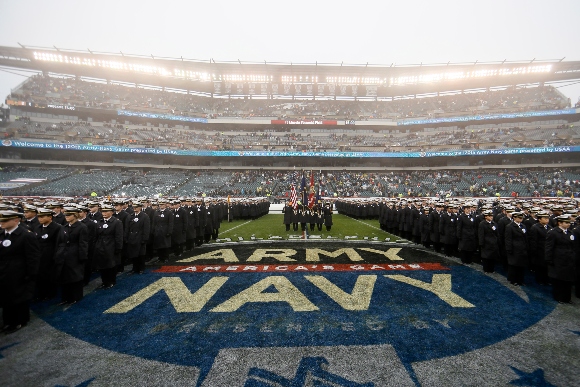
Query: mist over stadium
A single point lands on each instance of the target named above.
(261, 194)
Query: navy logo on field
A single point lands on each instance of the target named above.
(301, 295)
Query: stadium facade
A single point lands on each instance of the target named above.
(88, 109)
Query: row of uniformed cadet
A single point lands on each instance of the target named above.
(519, 236)
(53, 245)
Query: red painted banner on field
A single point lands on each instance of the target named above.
(342, 267)
(304, 122)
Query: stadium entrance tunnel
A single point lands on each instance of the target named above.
(263, 298)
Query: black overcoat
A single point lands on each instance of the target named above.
(287, 210)
(392, 218)
(123, 216)
(31, 224)
(162, 228)
(434, 226)
(516, 244)
(488, 240)
(415, 215)
(92, 229)
(19, 260)
(138, 231)
(327, 216)
(408, 219)
(71, 253)
(424, 227)
(191, 212)
(466, 232)
(59, 218)
(559, 255)
(95, 217)
(179, 226)
(109, 243)
(209, 226)
(448, 228)
(537, 243)
(319, 216)
(47, 237)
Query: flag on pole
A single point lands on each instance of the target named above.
(303, 190)
(312, 194)
(293, 198)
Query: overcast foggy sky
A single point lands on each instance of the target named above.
(378, 32)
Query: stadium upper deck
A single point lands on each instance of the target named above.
(271, 80)
(419, 116)
(44, 91)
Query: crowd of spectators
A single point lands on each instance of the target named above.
(528, 182)
(536, 182)
(522, 135)
(76, 92)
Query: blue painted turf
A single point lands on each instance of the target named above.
(415, 322)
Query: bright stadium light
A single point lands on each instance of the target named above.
(417, 78)
(459, 75)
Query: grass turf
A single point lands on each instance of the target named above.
(271, 225)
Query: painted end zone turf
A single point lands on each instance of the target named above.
(258, 302)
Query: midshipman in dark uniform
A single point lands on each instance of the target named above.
(19, 260)
(137, 235)
(108, 246)
(46, 233)
(178, 236)
(162, 230)
(488, 242)
(537, 241)
(561, 259)
(516, 246)
(123, 216)
(71, 256)
(92, 229)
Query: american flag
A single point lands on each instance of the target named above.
(293, 198)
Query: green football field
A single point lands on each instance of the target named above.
(271, 227)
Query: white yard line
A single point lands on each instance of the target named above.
(233, 228)
(366, 224)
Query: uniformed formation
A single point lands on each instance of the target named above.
(308, 218)
(542, 236)
(46, 245)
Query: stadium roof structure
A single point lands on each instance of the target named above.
(283, 80)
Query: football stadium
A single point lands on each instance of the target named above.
(168, 221)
